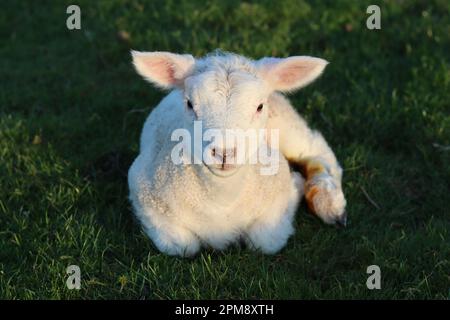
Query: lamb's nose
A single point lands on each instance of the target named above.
(224, 155)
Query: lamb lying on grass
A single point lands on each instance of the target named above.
(183, 206)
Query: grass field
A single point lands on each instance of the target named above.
(71, 111)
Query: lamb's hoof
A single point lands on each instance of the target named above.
(183, 243)
(183, 252)
(342, 222)
(326, 200)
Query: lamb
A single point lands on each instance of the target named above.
(185, 206)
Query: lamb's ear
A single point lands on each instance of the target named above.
(290, 73)
(164, 69)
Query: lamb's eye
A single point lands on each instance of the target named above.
(260, 107)
(189, 105)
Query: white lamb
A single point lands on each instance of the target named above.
(185, 206)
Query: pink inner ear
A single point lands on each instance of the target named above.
(161, 69)
(289, 75)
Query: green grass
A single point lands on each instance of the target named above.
(71, 111)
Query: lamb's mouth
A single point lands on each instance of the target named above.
(223, 170)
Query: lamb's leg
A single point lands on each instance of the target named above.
(168, 236)
(173, 239)
(270, 232)
(308, 150)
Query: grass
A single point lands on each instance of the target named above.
(71, 111)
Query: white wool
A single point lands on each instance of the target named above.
(185, 207)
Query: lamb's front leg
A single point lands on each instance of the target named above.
(308, 150)
(270, 232)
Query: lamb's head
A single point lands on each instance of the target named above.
(228, 94)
